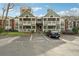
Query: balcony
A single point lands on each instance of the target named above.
(33, 22)
(51, 23)
(27, 23)
(39, 22)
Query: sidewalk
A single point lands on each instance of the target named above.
(7, 40)
(71, 48)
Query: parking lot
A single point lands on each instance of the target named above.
(33, 45)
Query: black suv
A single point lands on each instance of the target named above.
(53, 34)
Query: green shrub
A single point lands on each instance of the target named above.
(1, 30)
(75, 30)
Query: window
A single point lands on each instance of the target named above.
(16, 27)
(33, 27)
(57, 19)
(58, 26)
(74, 23)
(51, 27)
(54, 19)
(24, 19)
(27, 19)
(51, 16)
(20, 26)
(49, 22)
(33, 19)
(6, 24)
(26, 27)
(44, 27)
(27, 16)
(44, 19)
(20, 19)
(39, 19)
(16, 24)
(51, 19)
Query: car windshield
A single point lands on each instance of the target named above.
(53, 32)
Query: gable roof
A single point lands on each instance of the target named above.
(27, 14)
(51, 13)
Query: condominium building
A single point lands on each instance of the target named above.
(9, 23)
(51, 21)
(28, 22)
(1, 23)
(69, 22)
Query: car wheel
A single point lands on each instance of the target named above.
(58, 38)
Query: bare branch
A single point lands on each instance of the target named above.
(11, 6)
(3, 12)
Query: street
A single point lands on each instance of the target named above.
(39, 45)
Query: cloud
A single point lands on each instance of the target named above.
(1, 12)
(14, 13)
(70, 12)
(36, 8)
(11, 10)
(40, 15)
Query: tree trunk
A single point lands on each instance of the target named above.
(7, 9)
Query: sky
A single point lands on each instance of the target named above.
(40, 9)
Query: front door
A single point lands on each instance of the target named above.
(38, 27)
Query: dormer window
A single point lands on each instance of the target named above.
(27, 16)
(51, 16)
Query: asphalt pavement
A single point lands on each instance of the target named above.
(38, 44)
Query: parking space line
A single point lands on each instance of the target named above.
(44, 36)
(31, 37)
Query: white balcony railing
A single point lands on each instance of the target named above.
(50, 23)
(26, 23)
(39, 21)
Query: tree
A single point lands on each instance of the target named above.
(6, 10)
(3, 13)
(75, 30)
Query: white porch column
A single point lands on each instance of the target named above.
(22, 24)
(56, 24)
(47, 24)
(76, 23)
(43, 24)
(60, 24)
(31, 24)
(35, 24)
(18, 24)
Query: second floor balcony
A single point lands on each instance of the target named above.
(27, 23)
(50, 22)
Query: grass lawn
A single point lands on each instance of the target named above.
(15, 33)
